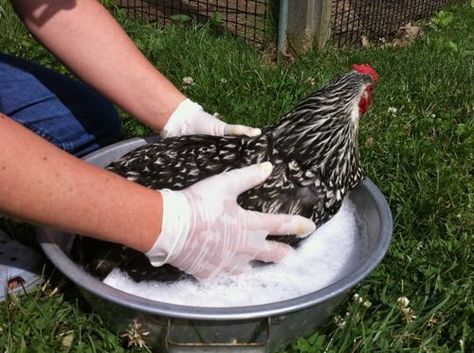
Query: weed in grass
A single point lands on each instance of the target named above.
(135, 335)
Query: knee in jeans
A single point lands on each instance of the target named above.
(112, 122)
(108, 128)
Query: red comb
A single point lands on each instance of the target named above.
(366, 69)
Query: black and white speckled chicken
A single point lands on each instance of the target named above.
(313, 148)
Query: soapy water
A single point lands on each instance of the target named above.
(330, 253)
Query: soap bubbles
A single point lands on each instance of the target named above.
(330, 253)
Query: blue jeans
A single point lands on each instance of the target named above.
(65, 112)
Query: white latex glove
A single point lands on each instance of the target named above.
(189, 118)
(205, 231)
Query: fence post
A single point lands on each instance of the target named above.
(308, 24)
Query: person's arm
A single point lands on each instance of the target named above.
(87, 39)
(42, 184)
(200, 229)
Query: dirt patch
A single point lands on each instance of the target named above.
(378, 22)
(404, 37)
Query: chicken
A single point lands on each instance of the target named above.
(313, 148)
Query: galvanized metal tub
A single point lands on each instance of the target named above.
(257, 328)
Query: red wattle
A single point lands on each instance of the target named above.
(363, 106)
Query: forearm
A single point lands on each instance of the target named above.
(86, 38)
(43, 184)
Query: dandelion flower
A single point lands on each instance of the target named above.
(403, 302)
(135, 335)
(358, 299)
(188, 82)
(392, 110)
(408, 313)
(339, 321)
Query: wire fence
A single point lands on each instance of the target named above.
(254, 20)
(245, 19)
(378, 19)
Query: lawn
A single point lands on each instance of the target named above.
(417, 145)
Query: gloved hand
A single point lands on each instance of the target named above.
(205, 231)
(189, 118)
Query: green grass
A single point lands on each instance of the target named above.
(421, 156)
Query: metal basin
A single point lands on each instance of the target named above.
(258, 328)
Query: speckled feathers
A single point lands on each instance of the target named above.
(313, 149)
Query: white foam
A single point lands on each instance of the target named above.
(329, 254)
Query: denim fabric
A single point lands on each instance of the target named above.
(66, 112)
